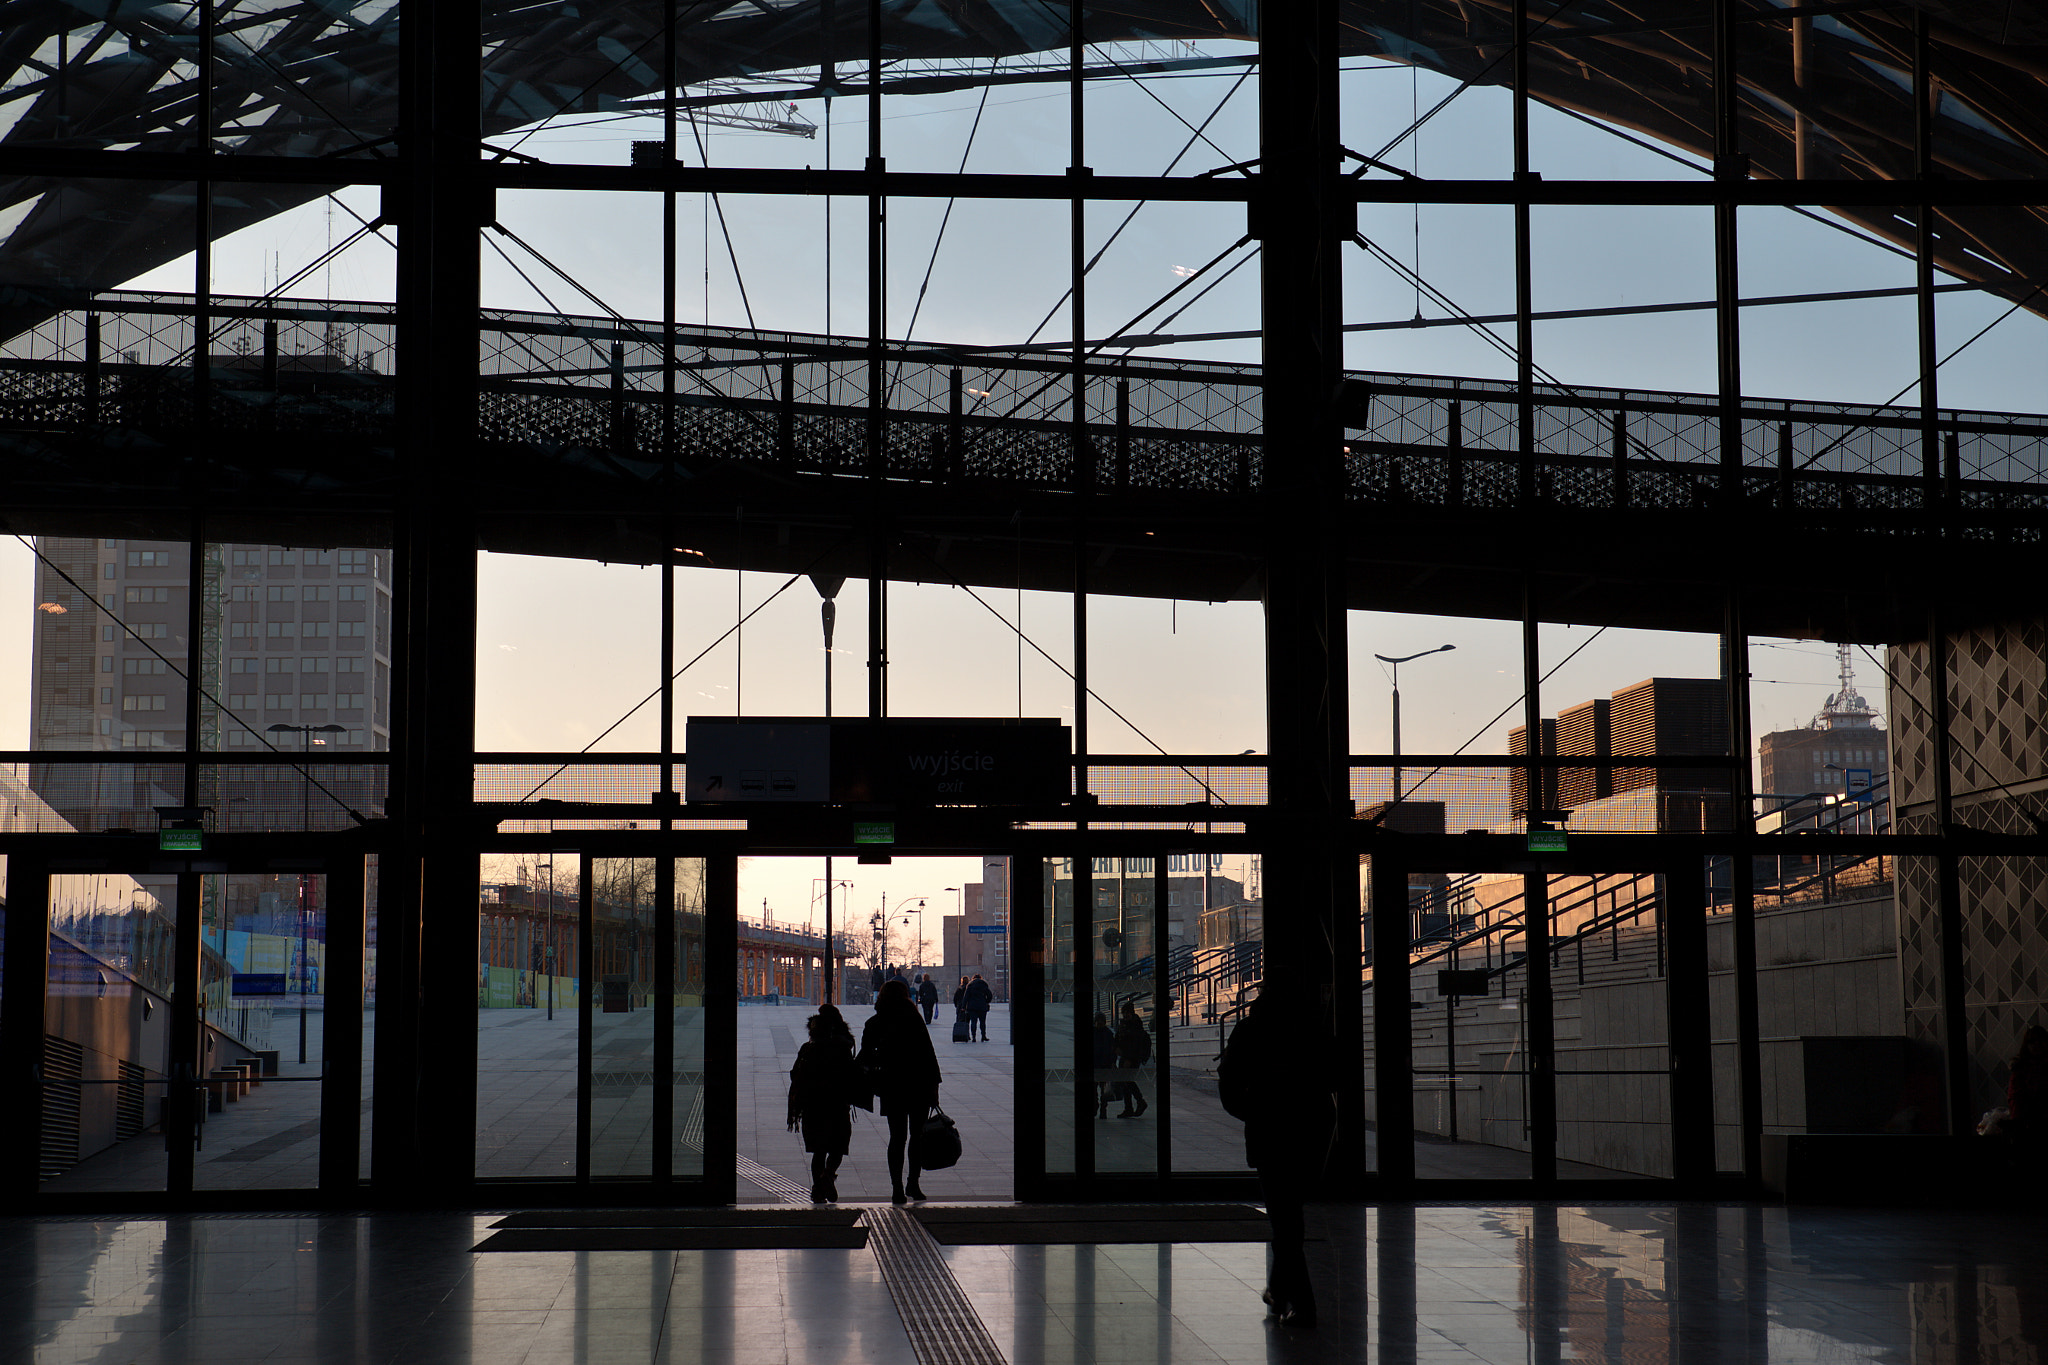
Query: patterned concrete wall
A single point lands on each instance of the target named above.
(1998, 699)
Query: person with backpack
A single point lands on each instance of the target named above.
(1277, 1077)
(823, 1085)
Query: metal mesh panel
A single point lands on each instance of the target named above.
(95, 796)
(556, 382)
(1170, 783)
(596, 781)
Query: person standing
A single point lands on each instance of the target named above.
(1104, 1039)
(979, 998)
(1277, 1076)
(927, 995)
(821, 1096)
(897, 1058)
(1133, 1050)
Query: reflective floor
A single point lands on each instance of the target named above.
(1466, 1283)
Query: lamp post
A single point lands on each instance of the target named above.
(548, 952)
(901, 901)
(880, 924)
(828, 588)
(1395, 664)
(959, 921)
(306, 741)
(830, 885)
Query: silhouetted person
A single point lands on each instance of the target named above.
(1277, 1076)
(1133, 1050)
(822, 1084)
(979, 997)
(927, 995)
(897, 1058)
(1104, 1039)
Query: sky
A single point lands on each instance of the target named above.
(567, 649)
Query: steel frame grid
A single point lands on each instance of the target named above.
(1526, 422)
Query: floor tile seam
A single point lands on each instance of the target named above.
(937, 1315)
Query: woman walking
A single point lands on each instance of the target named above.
(821, 1090)
(898, 1061)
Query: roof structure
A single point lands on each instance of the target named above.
(1826, 96)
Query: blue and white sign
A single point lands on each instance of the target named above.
(985, 928)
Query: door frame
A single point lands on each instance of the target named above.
(31, 864)
(1028, 1015)
(1687, 1015)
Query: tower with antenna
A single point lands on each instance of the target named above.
(1846, 708)
(1846, 736)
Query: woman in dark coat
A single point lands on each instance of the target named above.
(897, 1058)
(821, 1087)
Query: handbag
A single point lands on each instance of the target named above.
(938, 1142)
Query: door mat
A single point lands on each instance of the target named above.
(1091, 1225)
(674, 1239)
(678, 1230)
(724, 1217)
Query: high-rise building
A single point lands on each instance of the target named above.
(287, 636)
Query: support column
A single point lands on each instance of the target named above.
(1955, 1014)
(1302, 215)
(440, 206)
(1749, 1071)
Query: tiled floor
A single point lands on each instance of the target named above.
(1400, 1285)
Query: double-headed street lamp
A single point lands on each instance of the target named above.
(306, 741)
(1395, 664)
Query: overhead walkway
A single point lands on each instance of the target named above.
(977, 454)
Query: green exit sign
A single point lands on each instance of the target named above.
(178, 840)
(1546, 841)
(874, 832)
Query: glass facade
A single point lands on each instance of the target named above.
(418, 415)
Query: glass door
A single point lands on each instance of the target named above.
(1130, 1023)
(594, 975)
(1554, 1024)
(192, 1031)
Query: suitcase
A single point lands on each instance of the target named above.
(960, 1027)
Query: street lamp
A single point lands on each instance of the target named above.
(919, 912)
(830, 886)
(1395, 664)
(828, 587)
(959, 921)
(306, 741)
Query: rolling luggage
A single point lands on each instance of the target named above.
(960, 1027)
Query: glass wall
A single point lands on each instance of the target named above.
(712, 325)
(107, 1061)
(531, 984)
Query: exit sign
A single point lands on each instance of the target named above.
(874, 832)
(179, 840)
(1546, 841)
